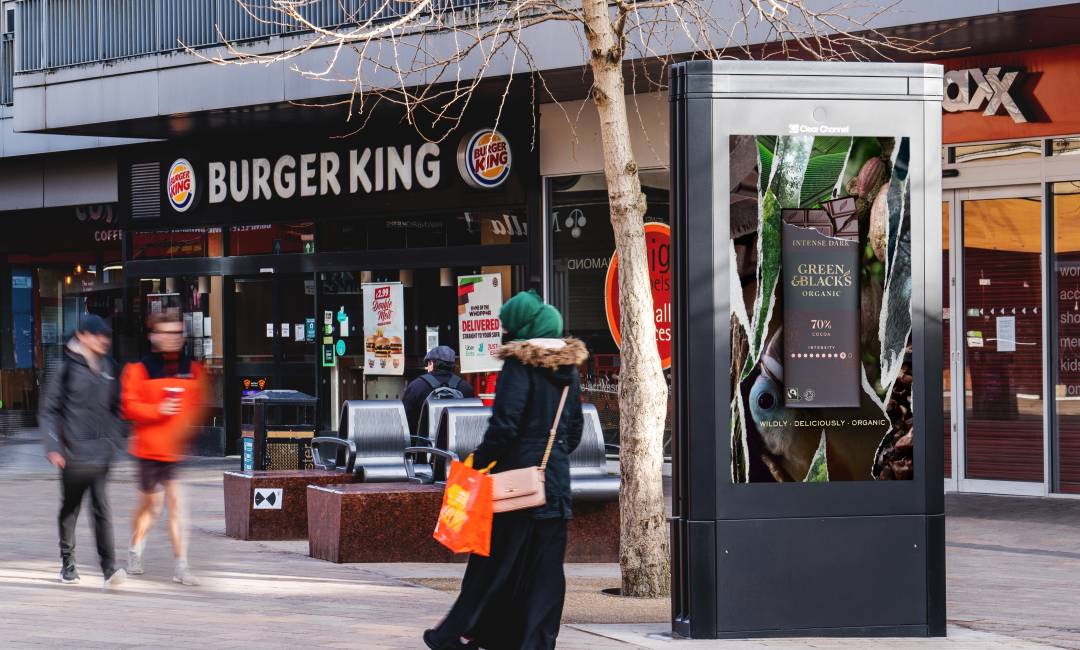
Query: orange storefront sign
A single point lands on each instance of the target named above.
(1045, 89)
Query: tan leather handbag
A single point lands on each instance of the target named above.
(517, 489)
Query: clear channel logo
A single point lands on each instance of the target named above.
(820, 129)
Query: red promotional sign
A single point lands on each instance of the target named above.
(658, 247)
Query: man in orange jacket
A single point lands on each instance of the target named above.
(162, 396)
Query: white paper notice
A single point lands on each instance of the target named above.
(1006, 334)
(298, 332)
(187, 325)
(345, 327)
(206, 329)
(208, 347)
(269, 330)
(197, 325)
(327, 317)
(432, 338)
(286, 330)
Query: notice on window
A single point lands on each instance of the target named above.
(479, 327)
(384, 328)
(1006, 333)
(269, 330)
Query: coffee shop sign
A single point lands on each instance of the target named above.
(971, 89)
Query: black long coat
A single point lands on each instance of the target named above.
(527, 395)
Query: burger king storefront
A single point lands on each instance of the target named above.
(323, 264)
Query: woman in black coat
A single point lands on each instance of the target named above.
(513, 598)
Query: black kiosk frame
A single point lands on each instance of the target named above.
(860, 557)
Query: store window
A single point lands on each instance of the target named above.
(272, 239)
(66, 263)
(1066, 315)
(177, 243)
(429, 316)
(426, 231)
(582, 248)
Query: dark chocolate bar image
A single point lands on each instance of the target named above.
(820, 272)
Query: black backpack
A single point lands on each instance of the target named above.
(440, 390)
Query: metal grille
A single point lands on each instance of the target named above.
(57, 33)
(146, 190)
(7, 69)
(288, 453)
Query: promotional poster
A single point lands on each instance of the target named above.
(479, 327)
(384, 329)
(821, 340)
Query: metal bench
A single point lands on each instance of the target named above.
(431, 415)
(589, 478)
(462, 430)
(372, 440)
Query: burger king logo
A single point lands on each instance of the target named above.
(180, 185)
(484, 159)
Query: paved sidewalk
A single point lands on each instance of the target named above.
(1013, 581)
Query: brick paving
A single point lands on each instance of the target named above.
(1013, 582)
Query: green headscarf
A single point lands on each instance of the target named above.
(526, 316)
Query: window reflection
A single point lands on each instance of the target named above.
(582, 248)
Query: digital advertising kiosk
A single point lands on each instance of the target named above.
(808, 466)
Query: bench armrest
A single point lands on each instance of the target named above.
(410, 469)
(331, 463)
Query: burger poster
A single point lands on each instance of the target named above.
(384, 329)
(479, 327)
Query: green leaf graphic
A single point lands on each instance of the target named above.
(819, 466)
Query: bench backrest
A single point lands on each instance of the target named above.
(380, 431)
(589, 457)
(431, 415)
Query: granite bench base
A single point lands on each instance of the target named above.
(393, 522)
(282, 520)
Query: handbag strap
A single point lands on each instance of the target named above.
(554, 428)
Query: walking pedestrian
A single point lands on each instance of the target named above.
(81, 426)
(162, 397)
(513, 599)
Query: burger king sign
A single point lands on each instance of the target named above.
(484, 159)
(180, 185)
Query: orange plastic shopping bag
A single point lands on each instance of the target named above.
(464, 524)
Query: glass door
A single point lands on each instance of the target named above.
(1000, 291)
(274, 345)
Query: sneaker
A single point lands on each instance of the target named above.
(69, 575)
(115, 578)
(184, 575)
(135, 565)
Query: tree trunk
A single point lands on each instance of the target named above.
(643, 553)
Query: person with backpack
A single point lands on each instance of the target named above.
(439, 382)
(81, 427)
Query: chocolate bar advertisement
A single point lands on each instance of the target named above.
(821, 339)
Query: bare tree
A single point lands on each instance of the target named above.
(431, 55)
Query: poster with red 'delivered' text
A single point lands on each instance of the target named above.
(479, 327)
(384, 329)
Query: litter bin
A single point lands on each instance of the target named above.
(276, 428)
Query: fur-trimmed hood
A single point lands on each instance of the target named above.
(546, 353)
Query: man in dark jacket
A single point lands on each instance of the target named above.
(440, 374)
(80, 423)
